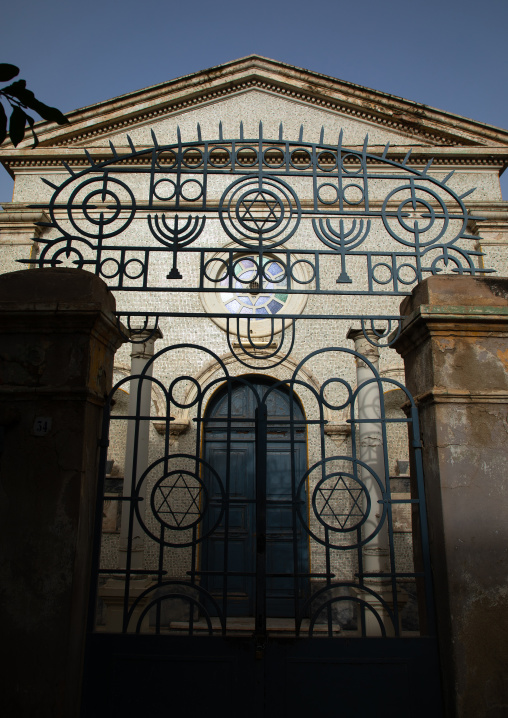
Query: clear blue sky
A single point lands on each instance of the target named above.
(449, 54)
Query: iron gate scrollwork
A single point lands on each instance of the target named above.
(334, 505)
(275, 498)
(349, 197)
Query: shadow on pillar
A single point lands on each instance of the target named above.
(58, 337)
(454, 342)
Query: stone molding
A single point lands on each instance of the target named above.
(144, 349)
(362, 344)
(51, 157)
(254, 72)
(214, 204)
(492, 231)
(176, 427)
(22, 223)
(362, 113)
(430, 320)
(337, 430)
(443, 396)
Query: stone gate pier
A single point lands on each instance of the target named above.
(454, 343)
(58, 336)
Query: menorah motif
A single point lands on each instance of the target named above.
(175, 237)
(265, 353)
(343, 240)
(420, 219)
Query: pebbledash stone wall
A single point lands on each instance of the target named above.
(185, 442)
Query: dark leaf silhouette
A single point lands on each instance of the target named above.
(7, 72)
(31, 122)
(3, 124)
(19, 99)
(27, 97)
(17, 125)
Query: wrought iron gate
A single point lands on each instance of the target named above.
(260, 551)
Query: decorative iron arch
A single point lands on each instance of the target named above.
(363, 224)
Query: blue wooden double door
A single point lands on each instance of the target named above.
(232, 444)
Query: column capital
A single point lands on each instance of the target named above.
(144, 346)
(362, 343)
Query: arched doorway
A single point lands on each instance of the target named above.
(231, 448)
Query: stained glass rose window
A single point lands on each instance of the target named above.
(249, 297)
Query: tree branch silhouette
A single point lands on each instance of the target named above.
(19, 100)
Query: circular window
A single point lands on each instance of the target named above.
(254, 292)
(258, 293)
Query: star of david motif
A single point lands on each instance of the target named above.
(259, 211)
(179, 501)
(330, 514)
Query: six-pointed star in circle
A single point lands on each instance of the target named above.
(261, 202)
(327, 511)
(179, 501)
(184, 500)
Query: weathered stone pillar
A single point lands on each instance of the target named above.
(58, 336)
(454, 342)
(371, 452)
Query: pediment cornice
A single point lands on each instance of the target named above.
(50, 158)
(425, 124)
(404, 124)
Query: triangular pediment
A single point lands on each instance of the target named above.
(255, 89)
(244, 112)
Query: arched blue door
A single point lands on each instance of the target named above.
(228, 561)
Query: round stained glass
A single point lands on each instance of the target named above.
(250, 298)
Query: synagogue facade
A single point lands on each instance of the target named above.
(259, 226)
